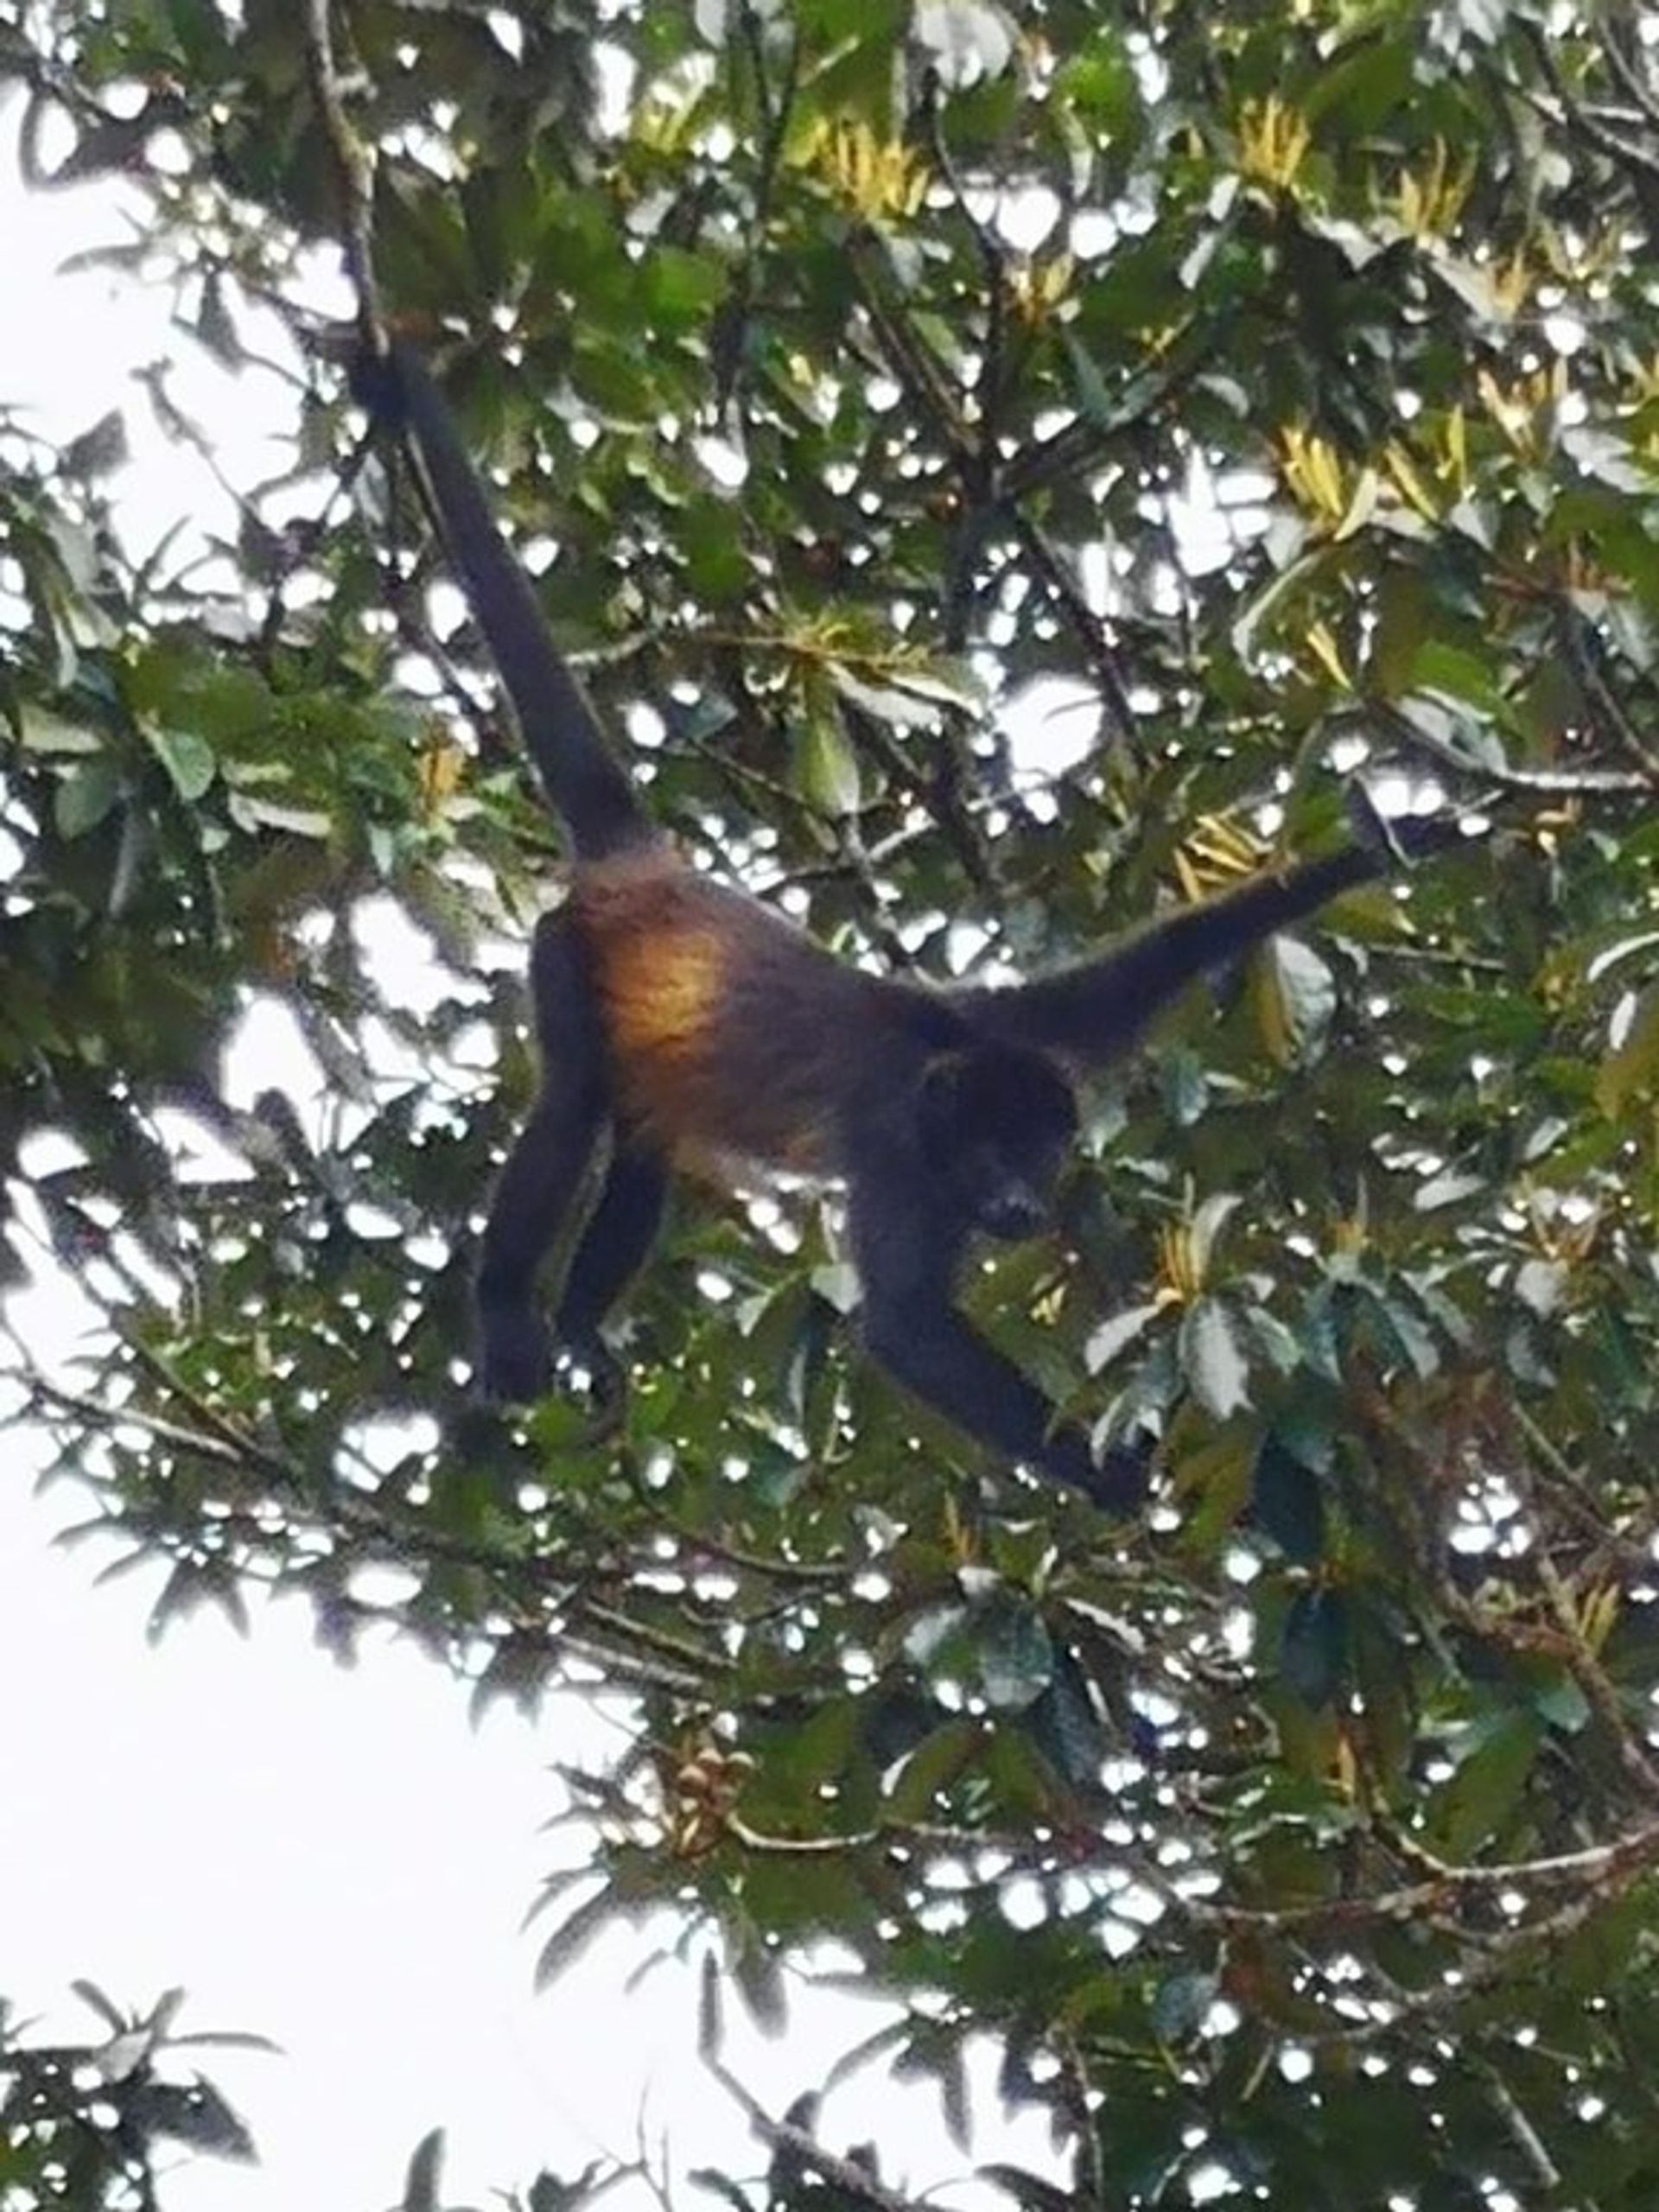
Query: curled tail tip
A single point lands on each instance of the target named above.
(375, 377)
(1388, 841)
(1369, 827)
(1400, 841)
(385, 374)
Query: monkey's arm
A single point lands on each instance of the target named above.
(906, 1256)
(545, 1171)
(1094, 1010)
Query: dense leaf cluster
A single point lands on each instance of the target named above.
(1285, 382)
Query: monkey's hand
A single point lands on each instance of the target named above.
(608, 1383)
(1118, 1483)
(1122, 1479)
(515, 1354)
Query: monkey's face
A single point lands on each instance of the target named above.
(996, 1128)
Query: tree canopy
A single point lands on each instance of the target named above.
(1001, 470)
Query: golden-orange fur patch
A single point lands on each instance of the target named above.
(661, 991)
(660, 961)
(676, 961)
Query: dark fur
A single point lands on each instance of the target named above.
(702, 1032)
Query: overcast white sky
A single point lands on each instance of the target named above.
(334, 1858)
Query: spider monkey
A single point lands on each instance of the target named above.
(702, 1031)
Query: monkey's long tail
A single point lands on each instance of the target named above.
(586, 785)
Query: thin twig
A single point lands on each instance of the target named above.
(1576, 642)
(1085, 625)
(782, 2136)
(1623, 67)
(1446, 753)
(354, 166)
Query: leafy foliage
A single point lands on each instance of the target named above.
(1280, 380)
(88, 2125)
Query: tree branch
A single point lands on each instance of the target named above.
(786, 2140)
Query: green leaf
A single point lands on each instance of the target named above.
(268, 814)
(1559, 1699)
(99, 451)
(1449, 670)
(1030, 2191)
(187, 758)
(931, 1768)
(423, 2181)
(1014, 1652)
(1097, 81)
(711, 2029)
(1479, 1800)
(1288, 1500)
(40, 729)
(1296, 1000)
(826, 766)
(955, 2100)
(757, 1972)
(1116, 1335)
(1209, 1219)
(901, 705)
(572, 1935)
(1313, 1658)
(680, 288)
(1632, 1069)
(1214, 1358)
(86, 798)
(1182, 2004)
(717, 2184)
(1065, 1726)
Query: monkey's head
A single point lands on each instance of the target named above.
(996, 1126)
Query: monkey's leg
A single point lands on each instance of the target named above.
(545, 1169)
(613, 1247)
(906, 1256)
